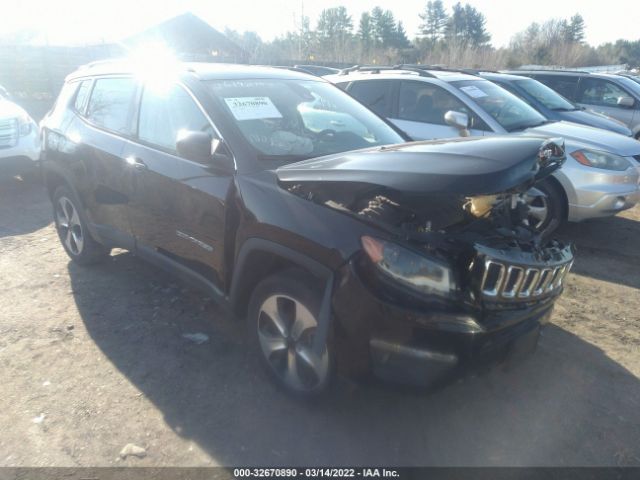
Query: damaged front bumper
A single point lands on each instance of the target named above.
(424, 345)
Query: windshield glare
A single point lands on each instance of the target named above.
(547, 97)
(297, 119)
(507, 109)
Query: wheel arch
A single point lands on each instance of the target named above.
(562, 185)
(259, 258)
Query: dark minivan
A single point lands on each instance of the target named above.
(301, 210)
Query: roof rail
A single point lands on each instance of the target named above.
(559, 70)
(380, 68)
(444, 68)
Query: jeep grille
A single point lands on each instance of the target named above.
(520, 282)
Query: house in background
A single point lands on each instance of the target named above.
(34, 72)
(191, 38)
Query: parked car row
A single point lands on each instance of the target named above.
(602, 171)
(348, 246)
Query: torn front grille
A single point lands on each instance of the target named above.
(505, 280)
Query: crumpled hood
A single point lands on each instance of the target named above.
(466, 166)
(590, 137)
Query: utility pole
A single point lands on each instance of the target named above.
(301, 29)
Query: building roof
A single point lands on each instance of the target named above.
(188, 34)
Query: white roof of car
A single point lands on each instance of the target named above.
(446, 76)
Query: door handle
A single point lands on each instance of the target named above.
(136, 163)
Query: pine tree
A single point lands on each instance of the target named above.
(401, 39)
(434, 20)
(576, 29)
(365, 32)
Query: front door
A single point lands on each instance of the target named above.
(602, 96)
(178, 208)
(421, 109)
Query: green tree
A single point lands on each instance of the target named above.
(401, 39)
(575, 29)
(334, 31)
(384, 27)
(434, 20)
(467, 26)
(475, 27)
(365, 32)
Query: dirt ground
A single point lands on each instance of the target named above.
(92, 359)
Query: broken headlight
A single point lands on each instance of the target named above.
(415, 271)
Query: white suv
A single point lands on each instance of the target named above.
(19, 140)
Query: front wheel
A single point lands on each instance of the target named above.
(283, 320)
(72, 229)
(546, 211)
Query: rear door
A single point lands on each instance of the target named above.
(100, 138)
(602, 96)
(178, 208)
(421, 108)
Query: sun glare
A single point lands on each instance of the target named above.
(156, 64)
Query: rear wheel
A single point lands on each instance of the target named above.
(547, 211)
(283, 321)
(72, 229)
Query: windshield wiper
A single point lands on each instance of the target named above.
(284, 158)
(534, 125)
(564, 109)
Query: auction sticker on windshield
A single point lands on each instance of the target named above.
(473, 91)
(252, 108)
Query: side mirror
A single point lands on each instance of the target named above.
(458, 120)
(195, 146)
(626, 102)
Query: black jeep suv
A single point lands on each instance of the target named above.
(302, 210)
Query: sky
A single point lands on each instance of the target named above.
(90, 21)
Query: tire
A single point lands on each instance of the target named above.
(282, 320)
(71, 226)
(549, 210)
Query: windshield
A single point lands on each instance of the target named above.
(295, 119)
(507, 109)
(630, 84)
(547, 97)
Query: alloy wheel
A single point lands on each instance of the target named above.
(286, 329)
(69, 226)
(538, 210)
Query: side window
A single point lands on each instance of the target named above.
(82, 95)
(565, 86)
(110, 103)
(595, 91)
(427, 103)
(165, 113)
(375, 94)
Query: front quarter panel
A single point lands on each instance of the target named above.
(274, 214)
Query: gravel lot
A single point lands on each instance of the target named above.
(92, 359)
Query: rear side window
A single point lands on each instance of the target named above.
(110, 103)
(82, 96)
(375, 94)
(565, 86)
(595, 91)
(165, 113)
